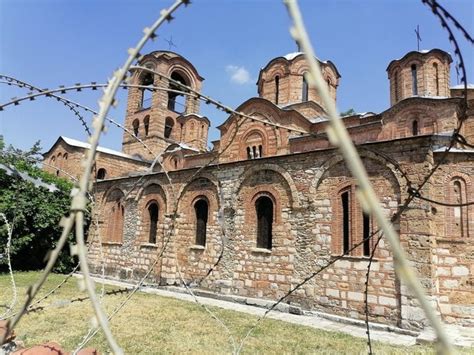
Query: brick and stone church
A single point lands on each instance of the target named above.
(268, 205)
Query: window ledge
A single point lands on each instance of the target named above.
(355, 257)
(142, 109)
(197, 247)
(148, 245)
(112, 243)
(454, 240)
(261, 251)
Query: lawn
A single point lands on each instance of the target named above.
(154, 324)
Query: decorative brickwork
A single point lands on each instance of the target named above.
(275, 205)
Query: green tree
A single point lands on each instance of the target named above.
(349, 112)
(32, 210)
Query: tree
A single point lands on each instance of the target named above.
(349, 112)
(32, 209)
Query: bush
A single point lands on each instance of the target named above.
(33, 211)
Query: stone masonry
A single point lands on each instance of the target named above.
(310, 211)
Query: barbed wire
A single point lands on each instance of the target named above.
(366, 196)
(9, 262)
(79, 203)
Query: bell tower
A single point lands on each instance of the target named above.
(282, 81)
(157, 108)
(424, 73)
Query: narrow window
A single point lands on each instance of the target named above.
(176, 101)
(153, 217)
(249, 156)
(146, 124)
(115, 229)
(254, 151)
(264, 209)
(65, 156)
(459, 212)
(414, 82)
(147, 80)
(136, 125)
(305, 89)
(169, 123)
(346, 223)
(366, 233)
(414, 128)
(201, 209)
(101, 174)
(436, 76)
(277, 89)
(260, 149)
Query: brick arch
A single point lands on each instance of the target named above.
(155, 181)
(151, 193)
(458, 174)
(184, 72)
(174, 161)
(337, 158)
(425, 115)
(138, 74)
(113, 215)
(213, 183)
(466, 213)
(251, 131)
(267, 116)
(291, 187)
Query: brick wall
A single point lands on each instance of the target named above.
(303, 188)
(115, 166)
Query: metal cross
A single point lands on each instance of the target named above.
(418, 38)
(170, 43)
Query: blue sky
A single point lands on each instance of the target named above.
(58, 42)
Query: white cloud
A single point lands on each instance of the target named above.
(238, 75)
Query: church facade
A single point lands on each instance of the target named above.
(270, 205)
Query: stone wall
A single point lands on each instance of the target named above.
(306, 234)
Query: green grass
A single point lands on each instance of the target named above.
(152, 324)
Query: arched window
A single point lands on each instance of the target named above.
(414, 81)
(116, 215)
(304, 96)
(249, 154)
(458, 223)
(346, 221)
(136, 126)
(176, 101)
(101, 174)
(414, 128)
(436, 77)
(153, 219)
(352, 227)
(277, 89)
(147, 80)
(53, 160)
(146, 124)
(169, 123)
(366, 233)
(201, 210)
(65, 156)
(264, 211)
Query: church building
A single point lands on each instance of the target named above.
(273, 201)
